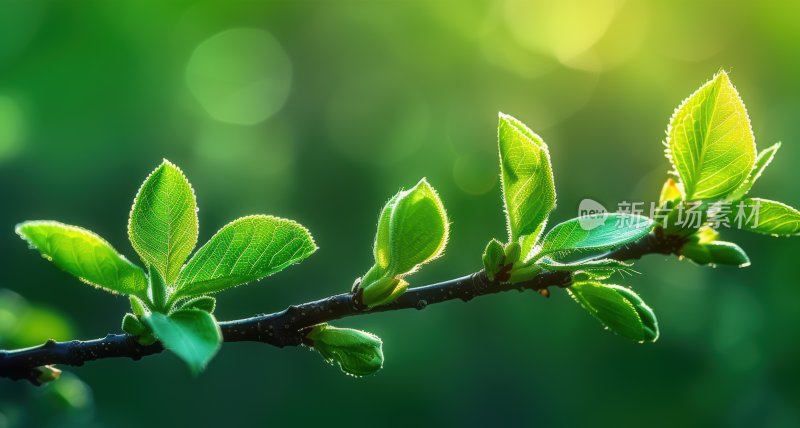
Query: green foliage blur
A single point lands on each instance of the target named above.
(319, 111)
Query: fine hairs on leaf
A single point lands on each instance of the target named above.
(610, 231)
(526, 176)
(244, 250)
(710, 145)
(413, 229)
(710, 142)
(84, 255)
(163, 223)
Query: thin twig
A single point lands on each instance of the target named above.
(288, 327)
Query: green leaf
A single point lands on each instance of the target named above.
(163, 223)
(358, 353)
(715, 253)
(157, 290)
(203, 303)
(193, 335)
(138, 306)
(710, 142)
(132, 325)
(765, 217)
(493, 259)
(762, 161)
(415, 233)
(606, 231)
(382, 247)
(617, 308)
(646, 314)
(247, 249)
(527, 180)
(84, 255)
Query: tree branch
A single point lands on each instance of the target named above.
(288, 327)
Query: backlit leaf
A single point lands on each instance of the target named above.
(163, 222)
(193, 335)
(244, 250)
(527, 180)
(593, 233)
(762, 161)
(617, 308)
(84, 255)
(765, 217)
(710, 142)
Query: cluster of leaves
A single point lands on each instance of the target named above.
(710, 145)
(171, 301)
(529, 195)
(712, 149)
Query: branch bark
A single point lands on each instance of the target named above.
(288, 327)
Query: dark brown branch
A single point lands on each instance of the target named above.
(287, 327)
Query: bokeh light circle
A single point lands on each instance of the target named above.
(241, 76)
(12, 127)
(475, 174)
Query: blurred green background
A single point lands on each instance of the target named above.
(321, 110)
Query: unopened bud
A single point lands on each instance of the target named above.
(138, 306)
(512, 252)
(493, 258)
(383, 291)
(132, 325)
(670, 192)
(358, 353)
(715, 253)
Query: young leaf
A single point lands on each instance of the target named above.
(762, 161)
(493, 259)
(383, 291)
(138, 307)
(382, 247)
(358, 353)
(84, 255)
(163, 222)
(132, 325)
(610, 231)
(646, 314)
(715, 253)
(157, 290)
(527, 180)
(415, 233)
(617, 308)
(247, 249)
(193, 335)
(203, 303)
(710, 142)
(765, 217)
(670, 192)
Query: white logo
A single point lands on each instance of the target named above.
(591, 214)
